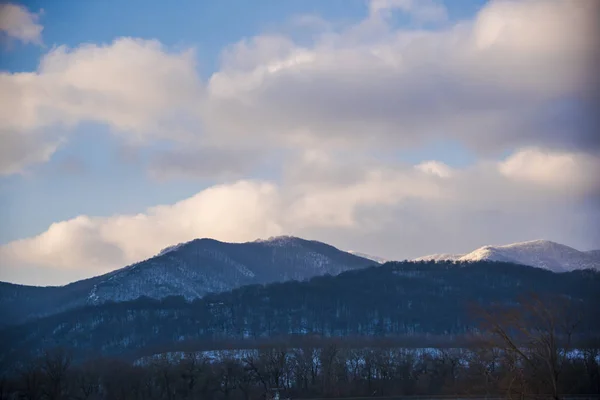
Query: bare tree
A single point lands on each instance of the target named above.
(30, 382)
(165, 375)
(55, 365)
(85, 384)
(255, 369)
(536, 338)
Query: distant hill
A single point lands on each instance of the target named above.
(413, 299)
(190, 269)
(537, 253)
(377, 259)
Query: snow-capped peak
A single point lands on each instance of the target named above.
(439, 257)
(282, 240)
(274, 240)
(171, 248)
(536, 253)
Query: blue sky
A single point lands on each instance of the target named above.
(431, 101)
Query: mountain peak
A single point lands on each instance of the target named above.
(537, 243)
(539, 253)
(279, 240)
(195, 268)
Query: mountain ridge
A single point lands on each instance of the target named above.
(539, 253)
(377, 259)
(412, 299)
(201, 266)
(191, 269)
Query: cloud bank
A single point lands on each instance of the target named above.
(398, 211)
(515, 85)
(518, 74)
(136, 87)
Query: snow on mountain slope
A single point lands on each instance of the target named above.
(203, 266)
(191, 270)
(536, 253)
(439, 257)
(379, 260)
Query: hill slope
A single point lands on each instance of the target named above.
(190, 269)
(408, 298)
(537, 253)
(379, 260)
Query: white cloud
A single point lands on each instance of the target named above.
(503, 80)
(567, 172)
(435, 168)
(397, 211)
(237, 212)
(135, 86)
(518, 74)
(132, 85)
(516, 77)
(18, 23)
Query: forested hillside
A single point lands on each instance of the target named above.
(418, 300)
(190, 270)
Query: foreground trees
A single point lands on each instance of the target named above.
(535, 340)
(331, 371)
(536, 348)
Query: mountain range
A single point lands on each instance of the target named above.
(545, 254)
(202, 266)
(192, 270)
(414, 301)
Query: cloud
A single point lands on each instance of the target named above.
(132, 85)
(137, 87)
(519, 74)
(435, 168)
(495, 83)
(18, 23)
(567, 172)
(18, 150)
(236, 212)
(397, 211)
(517, 80)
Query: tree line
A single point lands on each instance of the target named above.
(529, 350)
(333, 371)
(410, 300)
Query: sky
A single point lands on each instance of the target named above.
(398, 128)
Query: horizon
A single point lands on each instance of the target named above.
(397, 128)
(376, 259)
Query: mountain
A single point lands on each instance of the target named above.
(190, 269)
(537, 253)
(379, 260)
(440, 257)
(594, 253)
(419, 301)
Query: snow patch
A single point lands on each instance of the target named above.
(279, 241)
(544, 254)
(170, 249)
